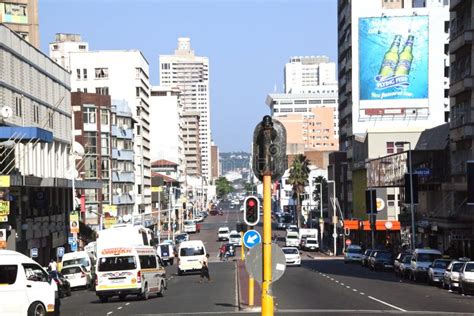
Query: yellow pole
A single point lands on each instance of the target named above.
(267, 299)
(251, 294)
(242, 251)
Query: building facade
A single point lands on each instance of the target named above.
(124, 75)
(190, 73)
(21, 16)
(192, 149)
(304, 74)
(215, 162)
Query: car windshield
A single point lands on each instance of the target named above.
(457, 266)
(354, 250)
(469, 267)
(384, 255)
(440, 264)
(235, 236)
(292, 237)
(180, 237)
(309, 241)
(223, 230)
(290, 251)
(71, 270)
(81, 261)
(191, 251)
(407, 259)
(117, 263)
(189, 223)
(428, 257)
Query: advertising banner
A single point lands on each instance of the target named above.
(74, 222)
(393, 58)
(3, 239)
(109, 210)
(109, 222)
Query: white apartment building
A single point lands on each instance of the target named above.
(166, 113)
(124, 75)
(190, 73)
(304, 74)
(65, 44)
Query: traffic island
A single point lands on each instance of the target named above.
(243, 290)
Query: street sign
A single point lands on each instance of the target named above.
(348, 242)
(34, 252)
(60, 252)
(70, 239)
(253, 263)
(252, 238)
(423, 172)
(74, 246)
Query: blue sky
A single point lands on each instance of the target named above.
(248, 43)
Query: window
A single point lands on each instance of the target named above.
(104, 117)
(101, 73)
(34, 272)
(117, 263)
(91, 167)
(105, 191)
(105, 144)
(78, 73)
(51, 119)
(102, 90)
(390, 148)
(82, 47)
(105, 166)
(17, 10)
(18, 106)
(36, 113)
(84, 73)
(147, 262)
(55, 47)
(90, 142)
(8, 274)
(85, 90)
(89, 115)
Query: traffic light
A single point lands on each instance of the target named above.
(251, 210)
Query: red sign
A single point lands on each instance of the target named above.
(83, 203)
(348, 242)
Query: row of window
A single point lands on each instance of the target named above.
(100, 73)
(36, 112)
(98, 90)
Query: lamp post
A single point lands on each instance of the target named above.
(410, 171)
(334, 217)
(321, 221)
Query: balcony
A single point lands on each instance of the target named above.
(461, 132)
(124, 176)
(465, 38)
(122, 133)
(123, 154)
(123, 199)
(461, 86)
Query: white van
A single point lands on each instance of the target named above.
(190, 256)
(25, 287)
(190, 226)
(123, 271)
(83, 258)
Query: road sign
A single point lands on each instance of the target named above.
(74, 246)
(70, 239)
(348, 242)
(252, 238)
(34, 252)
(423, 172)
(60, 252)
(253, 263)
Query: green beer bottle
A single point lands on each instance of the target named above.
(390, 59)
(405, 58)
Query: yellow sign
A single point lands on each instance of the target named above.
(109, 222)
(4, 181)
(3, 238)
(3, 219)
(4, 208)
(74, 222)
(156, 189)
(111, 209)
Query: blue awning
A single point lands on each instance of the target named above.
(25, 134)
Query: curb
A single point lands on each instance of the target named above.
(239, 300)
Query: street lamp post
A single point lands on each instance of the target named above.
(334, 217)
(410, 171)
(321, 221)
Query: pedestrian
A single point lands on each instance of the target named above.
(53, 265)
(205, 269)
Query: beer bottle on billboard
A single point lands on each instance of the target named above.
(390, 59)
(405, 58)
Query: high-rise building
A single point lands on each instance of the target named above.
(21, 16)
(393, 67)
(215, 163)
(124, 75)
(190, 73)
(192, 151)
(304, 74)
(166, 113)
(63, 45)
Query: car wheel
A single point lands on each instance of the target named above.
(61, 294)
(37, 309)
(161, 293)
(180, 272)
(460, 289)
(103, 299)
(68, 293)
(146, 293)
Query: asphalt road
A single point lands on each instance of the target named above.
(321, 286)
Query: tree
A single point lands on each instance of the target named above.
(223, 187)
(298, 178)
(316, 193)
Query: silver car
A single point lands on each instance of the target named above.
(451, 275)
(353, 254)
(436, 270)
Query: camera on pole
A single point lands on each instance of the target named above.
(251, 210)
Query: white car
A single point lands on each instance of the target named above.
(223, 233)
(466, 279)
(292, 239)
(235, 238)
(26, 288)
(292, 256)
(353, 254)
(77, 276)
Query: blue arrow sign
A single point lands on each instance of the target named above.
(251, 238)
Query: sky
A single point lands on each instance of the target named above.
(248, 43)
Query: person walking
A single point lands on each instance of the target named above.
(205, 269)
(53, 266)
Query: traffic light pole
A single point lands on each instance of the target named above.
(267, 298)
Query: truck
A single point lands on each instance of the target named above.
(306, 234)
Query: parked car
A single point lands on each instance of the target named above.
(451, 275)
(64, 288)
(421, 261)
(292, 256)
(353, 254)
(223, 233)
(436, 270)
(371, 258)
(365, 257)
(381, 260)
(398, 260)
(404, 269)
(179, 238)
(78, 276)
(466, 278)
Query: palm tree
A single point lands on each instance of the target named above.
(299, 173)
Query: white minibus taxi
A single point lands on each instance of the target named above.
(25, 287)
(82, 258)
(190, 256)
(123, 271)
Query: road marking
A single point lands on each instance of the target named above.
(362, 293)
(126, 304)
(337, 281)
(109, 313)
(348, 287)
(385, 303)
(342, 284)
(332, 279)
(120, 307)
(355, 290)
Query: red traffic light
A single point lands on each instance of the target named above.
(251, 203)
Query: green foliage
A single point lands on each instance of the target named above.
(298, 178)
(316, 193)
(223, 187)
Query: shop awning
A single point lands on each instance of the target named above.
(365, 225)
(25, 134)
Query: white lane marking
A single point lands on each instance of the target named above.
(348, 287)
(342, 284)
(362, 293)
(120, 307)
(332, 279)
(385, 303)
(337, 281)
(109, 313)
(127, 303)
(355, 290)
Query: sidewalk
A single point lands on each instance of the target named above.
(243, 289)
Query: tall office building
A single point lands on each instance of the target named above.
(122, 74)
(190, 73)
(21, 16)
(304, 74)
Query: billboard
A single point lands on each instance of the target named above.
(393, 58)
